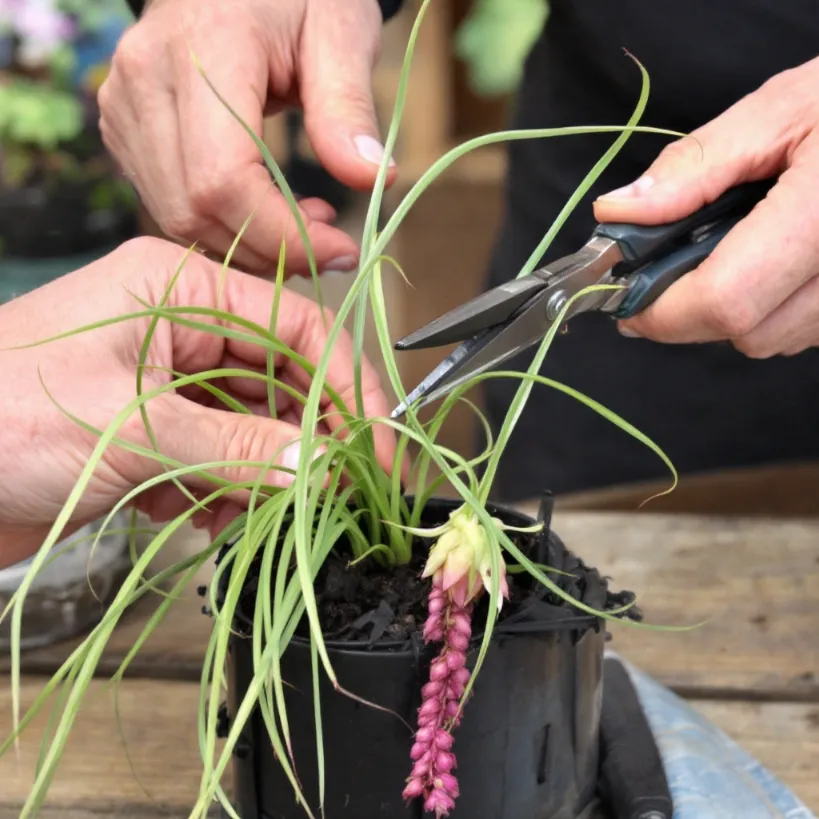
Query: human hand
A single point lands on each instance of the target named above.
(198, 172)
(759, 289)
(93, 376)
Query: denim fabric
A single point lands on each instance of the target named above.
(710, 776)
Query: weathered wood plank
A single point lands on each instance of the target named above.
(159, 731)
(779, 490)
(154, 761)
(756, 582)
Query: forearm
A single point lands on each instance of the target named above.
(389, 8)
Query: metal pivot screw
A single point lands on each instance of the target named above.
(557, 301)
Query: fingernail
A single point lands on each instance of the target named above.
(631, 191)
(289, 460)
(370, 149)
(627, 332)
(344, 264)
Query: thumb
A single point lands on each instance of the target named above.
(193, 434)
(340, 45)
(741, 145)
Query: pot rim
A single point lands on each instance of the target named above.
(574, 621)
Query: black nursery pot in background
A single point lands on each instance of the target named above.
(527, 746)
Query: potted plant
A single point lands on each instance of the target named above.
(62, 201)
(360, 630)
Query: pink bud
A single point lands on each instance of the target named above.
(443, 740)
(414, 789)
(455, 660)
(454, 691)
(436, 602)
(439, 802)
(451, 709)
(444, 761)
(426, 734)
(439, 670)
(432, 689)
(420, 769)
(425, 720)
(447, 782)
(461, 676)
(434, 634)
(429, 708)
(418, 750)
(459, 621)
(457, 640)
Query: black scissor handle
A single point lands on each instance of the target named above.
(641, 244)
(649, 282)
(655, 256)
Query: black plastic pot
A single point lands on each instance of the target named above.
(527, 747)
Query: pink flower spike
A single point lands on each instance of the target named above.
(431, 778)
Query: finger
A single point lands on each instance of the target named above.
(318, 210)
(193, 434)
(340, 45)
(165, 502)
(138, 122)
(792, 328)
(768, 256)
(752, 140)
(225, 178)
(225, 514)
(301, 326)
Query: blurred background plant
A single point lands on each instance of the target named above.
(62, 204)
(60, 193)
(494, 40)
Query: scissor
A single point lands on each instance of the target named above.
(506, 320)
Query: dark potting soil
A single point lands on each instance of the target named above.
(370, 605)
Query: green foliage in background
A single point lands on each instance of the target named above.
(495, 39)
(38, 114)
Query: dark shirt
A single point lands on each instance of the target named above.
(708, 406)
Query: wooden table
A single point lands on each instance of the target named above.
(753, 668)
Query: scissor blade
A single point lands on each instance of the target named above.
(490, 308)
(480, 353)
(492, 345)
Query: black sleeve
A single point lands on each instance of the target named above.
(388, 7)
